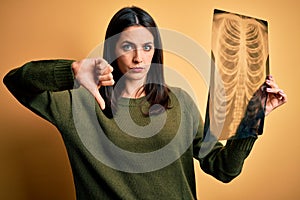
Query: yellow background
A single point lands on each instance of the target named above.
(33, 160)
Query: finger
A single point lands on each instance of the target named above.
(100, 62)
(106, 77)
(278, 93)
(271, 83)
(108, 83)
(105, 80)
(283, 96)
(99, 99)
(103, 70)
(270, 77)
(273, 90)
(100, 65)
(107, 70)
(110, 69)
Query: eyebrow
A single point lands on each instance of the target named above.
(127, 41)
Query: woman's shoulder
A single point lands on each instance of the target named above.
(183, 99)
(181, 95)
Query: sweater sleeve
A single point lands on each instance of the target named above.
(34, 82)
(226, 162)
(222, 162)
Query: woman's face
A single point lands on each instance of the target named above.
(134, 51)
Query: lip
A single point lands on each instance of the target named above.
(136, 69)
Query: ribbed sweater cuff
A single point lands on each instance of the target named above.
(244, 144)
(63, 74)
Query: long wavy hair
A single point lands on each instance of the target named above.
(155, 88)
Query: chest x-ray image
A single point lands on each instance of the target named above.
(240, 65)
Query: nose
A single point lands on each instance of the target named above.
(137, 58)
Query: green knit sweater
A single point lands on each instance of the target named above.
(129, 156)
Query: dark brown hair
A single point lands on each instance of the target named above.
(155, 89)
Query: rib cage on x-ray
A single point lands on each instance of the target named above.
(240, 53)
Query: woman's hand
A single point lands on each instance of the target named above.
(276, 96)
(92, 73)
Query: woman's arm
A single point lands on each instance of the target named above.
(226, 162)
(36, 77)
(222, 162)
(38, 85)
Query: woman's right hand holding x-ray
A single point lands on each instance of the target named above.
(92, 73)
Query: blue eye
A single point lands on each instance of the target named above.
(127, 47)
(147, 47)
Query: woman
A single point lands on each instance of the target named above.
(129, 78)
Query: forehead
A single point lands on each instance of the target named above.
(136, 34)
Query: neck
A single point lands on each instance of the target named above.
(133, 89)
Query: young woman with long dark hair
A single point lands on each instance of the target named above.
(157, 157)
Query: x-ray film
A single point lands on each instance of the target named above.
(240, 65)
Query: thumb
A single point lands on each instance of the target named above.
(99, 99)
